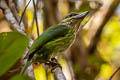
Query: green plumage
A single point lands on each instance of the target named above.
(54, 40)
(49, 43)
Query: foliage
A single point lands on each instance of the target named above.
(21, 77)
(12, 47)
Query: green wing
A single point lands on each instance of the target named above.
(50, 34)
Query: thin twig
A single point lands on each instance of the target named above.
(24, 11)
(35, 13)
(114, 74)
(33, 22)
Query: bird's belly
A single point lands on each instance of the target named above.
(53, 48)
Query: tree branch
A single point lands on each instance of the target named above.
(56, 69)
(13, 8)
(58, 73)
(14, 25)
(9, 16)
(108, 15)
(114, 74)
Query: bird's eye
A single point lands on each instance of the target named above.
(70, 15)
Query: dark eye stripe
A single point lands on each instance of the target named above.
(70, 15)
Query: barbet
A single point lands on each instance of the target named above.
(55, 39)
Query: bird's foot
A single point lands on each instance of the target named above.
(54, 64)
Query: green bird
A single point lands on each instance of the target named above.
(54, 40)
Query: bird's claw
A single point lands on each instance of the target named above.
(54, 64)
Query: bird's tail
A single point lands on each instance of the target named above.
(29, 61)
(26, 66)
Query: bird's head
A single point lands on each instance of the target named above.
(74, 19)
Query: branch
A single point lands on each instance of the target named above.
(58, 73)
(12, 6)
(24, 12)
(56, 69)
(114, 74)
(35, 15)
(108, 15)
(14, 25)
(9, 16)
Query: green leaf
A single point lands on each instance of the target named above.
(12, 47)
(21, 77)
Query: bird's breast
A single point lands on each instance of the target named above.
(60, 44)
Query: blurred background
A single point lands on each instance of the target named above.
(80, 62)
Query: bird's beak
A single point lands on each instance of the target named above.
(80, 16)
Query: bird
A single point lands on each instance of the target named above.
(55, 39)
